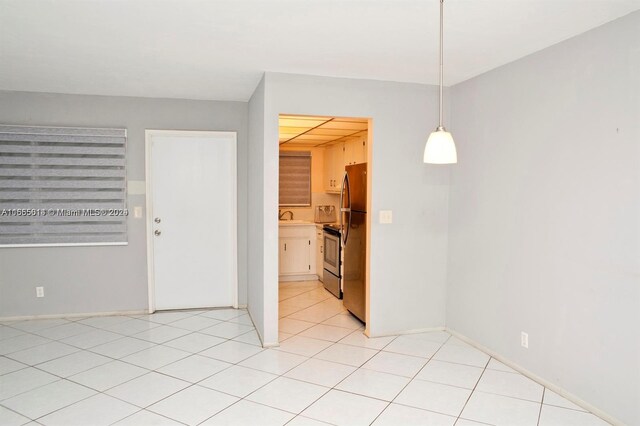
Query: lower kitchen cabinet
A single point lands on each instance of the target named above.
(297, 252)
(319, 253)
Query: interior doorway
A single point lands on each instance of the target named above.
(324, 225)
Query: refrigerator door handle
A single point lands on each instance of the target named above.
(345, 185)
(341, 206)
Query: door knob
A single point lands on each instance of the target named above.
(157, 232)
(157, 220)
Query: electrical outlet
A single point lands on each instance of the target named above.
(39, 291)
(524, 340)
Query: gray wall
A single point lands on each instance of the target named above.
(104, 279)
(256, 216)
(544, 225)
(408, 257)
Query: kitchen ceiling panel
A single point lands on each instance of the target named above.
(318, 138)
(351, 125)
(324, 131)
(294, 130)
(296, 122)
(318, 130)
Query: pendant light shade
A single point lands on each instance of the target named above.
(440, 148)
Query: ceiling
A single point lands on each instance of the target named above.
(218, 49)
(310, 131)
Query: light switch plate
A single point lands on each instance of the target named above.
(386, 216)
(136, 187)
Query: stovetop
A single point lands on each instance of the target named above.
(335, 227)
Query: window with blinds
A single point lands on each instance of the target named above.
(295, 178)
(62, 186)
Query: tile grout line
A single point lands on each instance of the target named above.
(544, 389)
(473, 390)
(411, 379)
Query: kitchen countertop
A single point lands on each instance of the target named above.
(295, 223)
(298, 222)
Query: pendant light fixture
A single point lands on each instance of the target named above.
(440, 148)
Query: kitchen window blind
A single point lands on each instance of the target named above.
(295, 178)
(62, 186)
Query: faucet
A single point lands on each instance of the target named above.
(281, 214)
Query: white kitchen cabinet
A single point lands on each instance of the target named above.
(297, 252)
(319, 252)
(333, 167)
(337, 156)
(355, 151)
(295, 255)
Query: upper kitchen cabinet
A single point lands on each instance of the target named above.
(333, 167)
(339, 155)
(355, 150)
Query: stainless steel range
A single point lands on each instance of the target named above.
(332, 260)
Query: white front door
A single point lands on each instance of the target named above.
(191, 216)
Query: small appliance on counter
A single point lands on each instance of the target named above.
(325, 214)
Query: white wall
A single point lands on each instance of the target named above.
(408, 257)
(107, 279)
(255, 196)
(544, 225)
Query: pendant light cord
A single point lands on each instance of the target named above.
(441, 67)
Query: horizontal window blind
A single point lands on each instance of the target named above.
(62, 185)
(295, 178)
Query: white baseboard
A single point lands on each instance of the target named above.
(267, 345)
(547, 384)
(305, 277)
(401, 333)
(85, 314)
(89, 314)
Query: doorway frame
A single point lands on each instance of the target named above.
(148, 135)
(370, 166)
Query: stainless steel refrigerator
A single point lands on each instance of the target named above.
(353, 208)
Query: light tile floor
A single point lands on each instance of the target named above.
(207, 368)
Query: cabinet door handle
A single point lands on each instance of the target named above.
(285, 246)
